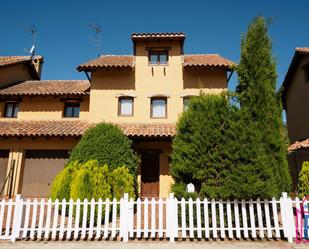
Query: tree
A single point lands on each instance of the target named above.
(216, 149)
(258, 97)
(107, 144)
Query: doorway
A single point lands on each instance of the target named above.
(150, 173)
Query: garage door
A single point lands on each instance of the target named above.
(40, 169)
(4, 158)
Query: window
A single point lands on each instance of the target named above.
(11, 109)
(158, 108)
(158, 57)
(125, 106)
(186, 102)
(71, 109)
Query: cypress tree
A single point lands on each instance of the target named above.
(258, 98)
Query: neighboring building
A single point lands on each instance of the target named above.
(143, 94)
(14, 69)
(295, 98)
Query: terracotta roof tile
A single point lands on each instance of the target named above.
(299, 145)
(158, 35)
(77, 128)
(43, 128)
(209, 60)
(108, 61)
(193, 60)
(48, 87)
(11, 60)
(302, 50)
(148, 130)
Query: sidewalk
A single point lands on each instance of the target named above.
(152, 245)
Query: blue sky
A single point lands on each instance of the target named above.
(211, 27)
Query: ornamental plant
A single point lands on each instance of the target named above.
(303, 182)
(107, 144)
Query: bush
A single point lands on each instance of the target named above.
(303, 184)
(107, 144)
(91, 181)
(61, 185)
(218, 148)
(121, 181)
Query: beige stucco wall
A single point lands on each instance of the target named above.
(18, 147)
(147, 80)
(165, 179)
(297, 103)
(12, 74)
(46, 108)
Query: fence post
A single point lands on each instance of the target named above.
(287, 217)
(172, 217)
(124, 211)
(18, 209)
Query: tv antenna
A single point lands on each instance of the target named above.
(97, 39)
(33, 32)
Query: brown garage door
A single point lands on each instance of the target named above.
(40, 169)
(4, 158)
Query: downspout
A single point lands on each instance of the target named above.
(230, 75)
(87, 75)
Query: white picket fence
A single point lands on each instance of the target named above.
(148, 218)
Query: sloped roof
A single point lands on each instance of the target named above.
(302, 50)
(42, 128)
(108, 61)
(12, 60)
(207, 60)
(127, 61)
(48, 87)
(65, 128)
(148, 130)
(136, 36)
(299, 145)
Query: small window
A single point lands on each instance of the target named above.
(158, 107)
(186, 102)
(71, 109)
(11, 109)
(158, 57)
(125, 106)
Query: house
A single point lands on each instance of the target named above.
(143, 93)
(14, 69)
(296, 104)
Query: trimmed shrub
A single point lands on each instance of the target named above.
(121, 181)
(61, 185)
(303, 184)
(91, 181)
(107, 144)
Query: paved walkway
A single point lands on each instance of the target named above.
(152, 245)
